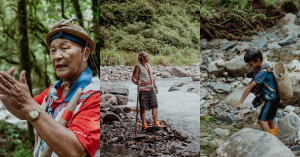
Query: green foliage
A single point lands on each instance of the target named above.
(110, 57)
(207, 118)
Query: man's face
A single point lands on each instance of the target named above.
(65, 56)
(146, 58)
(254, 65)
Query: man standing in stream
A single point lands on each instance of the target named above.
(143, 75)
(70, 48)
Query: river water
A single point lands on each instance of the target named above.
(179, 108)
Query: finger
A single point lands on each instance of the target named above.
(4, 90)
(5, 83)
(8, 78)
(3, 97)
(11, 71)
(23, 77)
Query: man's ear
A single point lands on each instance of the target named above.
(87, 54)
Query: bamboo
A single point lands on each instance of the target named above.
(137, 108)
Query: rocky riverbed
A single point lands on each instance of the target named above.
(178, 137)
(6, 116)
(223, 78)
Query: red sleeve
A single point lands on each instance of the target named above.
(86, 124)
(39, 98)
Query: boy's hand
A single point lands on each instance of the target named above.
(239, 106)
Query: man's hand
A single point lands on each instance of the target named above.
(15, 93)
(239, 106)
(156, 90)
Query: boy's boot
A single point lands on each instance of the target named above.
(273, 131)
(144, 127)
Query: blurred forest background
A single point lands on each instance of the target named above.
(23, 27)
(169, 30)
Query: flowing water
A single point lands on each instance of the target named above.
(179, 108)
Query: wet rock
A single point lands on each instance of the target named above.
(289, 24)
(225, 119)
(217, 142)
(289, 40)
(295, 64)
(216, 43)
(273, 45)
(209, 97)
(214, 69)
(110, 116)
(122, 100)
(203, 43)
(141, 136)
(221, 132)
(244, 114)
(108, 99)
(196, 79)
(173, 89)
(289, 108)
(180, 84)
(222, 88)
(117, 111)
(237, 67)
(260, 42)
(246, 81)
(228, 46)
(181, 135)
(233, 99)
(153, 128)
(287, 128)
(203, 93)
(113, 140)
(120, 91)
(149, 151)
(269, 36)
(177, 71)
(242, 46)
(128, 143)
(127, 109)
(251, 142)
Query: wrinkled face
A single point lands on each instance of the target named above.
(65, 56)
(255, 65)
(146, 58)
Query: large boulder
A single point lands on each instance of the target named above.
(252, 143)
(181, 135)
(110, 116)
(216, 67)
(121, 91)
(225, 119)
(234, 98)
(237, 67)
(108, 99)
(289, 24)
(179, 72)
(222, 88)
(122, 100)
(287, 128)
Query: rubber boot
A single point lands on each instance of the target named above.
(155, 124)
(273, 131)
(144, 127)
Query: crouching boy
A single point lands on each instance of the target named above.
(264, 87)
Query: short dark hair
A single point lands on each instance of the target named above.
(252, 55)
(140, 59)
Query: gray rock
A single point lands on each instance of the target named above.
(153, 128)
(221, 132)
(121, 91)
(203, 68)
(218, 110)
(203, 43)
(269, 36)
(108, 99)
(222, 88)
(196, 79)
(180, 84)
(113, 140)
(181, 135)
(177, 71)
(237, 67)
(225, 119)
(213, 69)
(173, 89)
(295, 64)
(251, 142)
(289, 108)
(260, 42)
(287, 128)
(242, 46)
(203, 93)
(227, 46)
(122, 100)
(279, 114)
(127, 109)
(110, 116)
(298, 14)
(217, 42)
(273, 45)
(289, 40)
(233, 99)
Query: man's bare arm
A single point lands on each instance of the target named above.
(135, 74)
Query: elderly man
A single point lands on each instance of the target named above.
(147, 96)
(70, 49)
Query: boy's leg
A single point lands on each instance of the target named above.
(155, 115)
(271, 124)
(264, 125)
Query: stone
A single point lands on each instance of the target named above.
(295, 64)
(203, 43)
(228, 46)
(120, 91)
(287, 128)
(213, 69)
(118, 111)
(172, 89)
(289, 40)
(1, 106)
(149, 151)
(177, 71)
(289, 108)
(2, 114)
(289, 24)
(233, 99)
(128, 143)
(269, 36)
(203, 93)
(296, 52)
(220, 63)
(110, 116)
(113, 140)
(298, 14)
(237, 67)
(244, 114)
(196, 79)
(180, 84)
(218, 110)
(122, 100)
(217, 42)
(222, 88)
(108, 99)
(181, 135)
(242, 46)
(217, 142)
(273, 45)
(251, 142)
(127, 109)
(209, 97)
(260, 42)
(153, 128)
(246, 81)
(225, 119)
(221, 132)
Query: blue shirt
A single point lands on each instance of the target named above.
(267, 77)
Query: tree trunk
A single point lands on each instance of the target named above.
(78, 11)
(24, 53)
(96, 29)
(63, 9)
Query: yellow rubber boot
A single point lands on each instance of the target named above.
(155, 124)
(273, 131)
(144, 127)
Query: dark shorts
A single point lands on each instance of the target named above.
(268, 111)
(147, 100)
